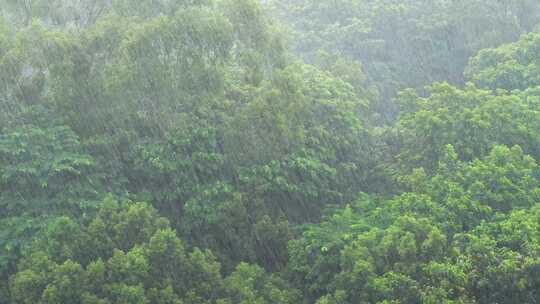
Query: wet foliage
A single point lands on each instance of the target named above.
(260, 152)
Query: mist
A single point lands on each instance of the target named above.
(261, 152)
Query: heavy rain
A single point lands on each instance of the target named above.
(269, 151)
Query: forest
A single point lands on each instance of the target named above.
(269, 151)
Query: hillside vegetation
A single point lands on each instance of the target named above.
(261, 152)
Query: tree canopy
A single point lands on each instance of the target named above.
(265, 152)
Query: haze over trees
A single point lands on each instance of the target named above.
(260, 152)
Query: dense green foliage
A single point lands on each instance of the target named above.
(128, 254)
(468, 234)
(253, 152)
(404, 43)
